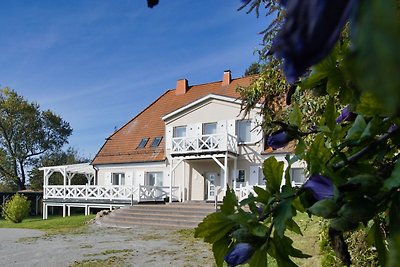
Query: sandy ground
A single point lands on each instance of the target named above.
(141, 246)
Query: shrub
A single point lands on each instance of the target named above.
(16, 209)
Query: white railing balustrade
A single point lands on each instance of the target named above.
(205, 143)
(244, 191)
(94, 192)
(158, 193)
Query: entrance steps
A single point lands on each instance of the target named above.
(170, 215)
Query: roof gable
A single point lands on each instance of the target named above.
(122, 146)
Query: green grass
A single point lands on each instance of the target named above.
(53, 225)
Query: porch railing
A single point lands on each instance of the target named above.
(244, 191)
(94, 192)
(205, 143)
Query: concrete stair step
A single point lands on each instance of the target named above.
(175, 215)
(150, 221)
(133, 213)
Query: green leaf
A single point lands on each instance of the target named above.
(358, 210)
(284, 212)
(259, 229)
(318, 154)
(220, 248)
(229, 202)
(294, 227)
(273, 173)
(330, 114)
(262, 194)
(343, 225)
(259, 258)
(214, 227)
(376, 236)
(295, 116)
(325, 208)
(376, 58)
(357, 129)
(394, 231)
(394, 180)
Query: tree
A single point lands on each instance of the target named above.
(55, 158)
(26, 132)
(254, 68)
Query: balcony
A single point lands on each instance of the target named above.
(204, 144)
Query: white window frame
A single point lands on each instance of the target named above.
(175, 131)
(119, 177)
(292, 175)
(148, 174)
(239, 126)
(209, 124)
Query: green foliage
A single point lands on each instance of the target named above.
(357, 152)
(361, 251)
(26, 132)
(16, 209)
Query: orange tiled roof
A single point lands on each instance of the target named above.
(121, 147)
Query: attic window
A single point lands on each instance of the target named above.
(156, 141)
(143, 142)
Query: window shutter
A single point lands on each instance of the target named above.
(168, 137)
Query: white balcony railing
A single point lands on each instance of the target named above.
(205, 143)
(94, 192)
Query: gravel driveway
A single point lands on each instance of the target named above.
(102, 246)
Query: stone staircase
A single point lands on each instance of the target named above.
(170, 215)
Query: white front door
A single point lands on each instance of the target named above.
(211, 178)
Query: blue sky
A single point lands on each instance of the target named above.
(97, 63)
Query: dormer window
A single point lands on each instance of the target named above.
(143, 142)
(156, 141)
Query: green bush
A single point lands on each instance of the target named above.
(16, 209)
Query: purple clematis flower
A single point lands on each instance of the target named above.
(279, 139)
(309, 32)
(239, 254)
(152, 3)
(320, 186)
(346, 115)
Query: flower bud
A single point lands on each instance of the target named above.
(239, 254)
(346, 115)
(320, 186)
(279, 139)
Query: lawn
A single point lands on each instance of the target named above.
(53, 225)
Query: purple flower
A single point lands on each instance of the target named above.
(310, 31)
(279, 139)
(393, 128)
(152, 3)
(346, 115)
(321, 187)
(239, 254)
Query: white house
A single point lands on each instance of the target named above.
(189, 144)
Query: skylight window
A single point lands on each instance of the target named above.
(156, 141)
(143, 142)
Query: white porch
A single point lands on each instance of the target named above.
(97, 196)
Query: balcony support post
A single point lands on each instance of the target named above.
(226, 170)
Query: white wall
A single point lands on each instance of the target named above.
(134, 172)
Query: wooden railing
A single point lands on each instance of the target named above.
(94, 192)
(157, 193)
(205, 143)
(244, 191)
